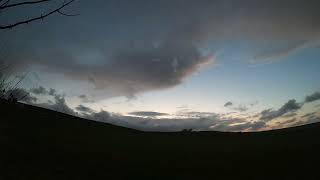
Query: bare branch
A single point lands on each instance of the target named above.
(58, 10)
(22, 3)
(4, 3)
(65, 14)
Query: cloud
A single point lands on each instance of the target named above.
(43, 91)
(102, 116)
(183, 107)
(84, 109)
(52, 92)
(308, 115)
(187, 113)
(59, 104)
(147, 113)
(22, 95)
(282, 53)
(228, 104)
(146, 121)
(290, 106)
(198, 121)
(84, 98)
(39, 91)
(164, 48)
(313, 97)
(311, 118)
(244, 126)
(286, 122)
(290, 115)
(241, 108)
(134, 71)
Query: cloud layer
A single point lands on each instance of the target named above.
(145, 120)
(185, 119)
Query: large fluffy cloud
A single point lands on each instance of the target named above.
(127, 47)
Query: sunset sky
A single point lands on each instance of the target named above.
(168, 65)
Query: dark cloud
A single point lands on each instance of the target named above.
(43, 91)
(102, 116)
(147, 113)
(84, 98)
(59, 105)
(135, 70)
(84, 109)
(228, 104)
(165, 42)
(52, 92)
(39, 91)
(241, 108)
(313, 97)
(290, 106)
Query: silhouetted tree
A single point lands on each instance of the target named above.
(10, 86)
(7, 5)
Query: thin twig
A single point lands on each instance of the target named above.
(58, 10)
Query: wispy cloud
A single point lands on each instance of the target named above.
(147, 114)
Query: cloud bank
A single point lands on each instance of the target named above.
(185, 119)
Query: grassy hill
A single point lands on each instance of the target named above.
(36, 143)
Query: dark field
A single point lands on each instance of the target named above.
(39, 144)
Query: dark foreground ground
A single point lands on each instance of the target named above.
(39, 144)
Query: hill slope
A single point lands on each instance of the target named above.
(41, 144)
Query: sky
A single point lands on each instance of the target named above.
(169, 65)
